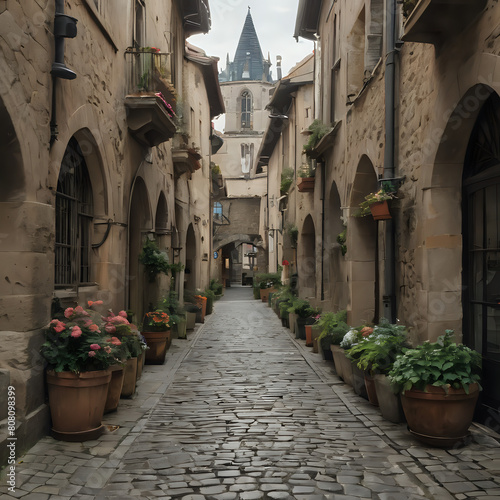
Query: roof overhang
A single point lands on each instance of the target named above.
(196, 16)
(307, 21)
(208, 66)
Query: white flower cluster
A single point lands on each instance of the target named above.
(350, 339)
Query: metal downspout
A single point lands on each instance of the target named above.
(389, 296)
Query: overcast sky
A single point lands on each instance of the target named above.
(274, 22)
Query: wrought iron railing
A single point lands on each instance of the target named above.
(150, 71)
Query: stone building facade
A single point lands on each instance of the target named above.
(246, 86)
(94, 162)
(409, 91)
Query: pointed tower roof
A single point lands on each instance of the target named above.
(248, 59)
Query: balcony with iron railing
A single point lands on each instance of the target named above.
(151, 97)
(433, 21)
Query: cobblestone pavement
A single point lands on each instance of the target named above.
(242, 410)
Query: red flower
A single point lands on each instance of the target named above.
(285, 263)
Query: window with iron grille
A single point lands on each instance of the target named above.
(73, 220)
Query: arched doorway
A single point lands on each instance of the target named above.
(190, 275)
(481, 252)
(362, 244)
(334, 259)
(140, 224)
(306, 257)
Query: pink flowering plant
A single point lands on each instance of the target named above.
(120, 329)
(77, 342)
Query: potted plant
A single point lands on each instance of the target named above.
(376, 203)
(439, 385)
(191, 312)
(154, 260)
(286, 180)
(351, 338)
(126, 337)
(317, 131)
(306, 175)
(333, 329)
(170, 305)
(304, 315)
(376, 352)
(156, 331)
(78, 354)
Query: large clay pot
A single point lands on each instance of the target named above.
(371, 390)
(347, 374)
(141, 359)
(129, 378)
(316, 331)
(300, 327)
(201, 302)
(440, 419)
(358, 380)
(77, 403)
(114, 388)
(190, 320)
(388, 402)
(181, 327)
(309, 335)
(158, 343)
(338, 353)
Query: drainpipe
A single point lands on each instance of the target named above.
(64, 27)
(323, 191)
(389, 295)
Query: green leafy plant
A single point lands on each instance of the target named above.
(378, 350)
(386, 192)
(333, 328)
(302, 308)
(286, 179)
(318, 131)
(341, 240)
(170, 304)
(306, 170)
(408, 6)
(216, 287)
(266, 280)
(293, 233)
(154, 260)
(442, 364)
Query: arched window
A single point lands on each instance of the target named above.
(74, 214)
(246, 110)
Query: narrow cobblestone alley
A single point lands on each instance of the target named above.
(243, 411)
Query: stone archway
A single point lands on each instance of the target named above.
(306, 259)
(163, 238)
(190, 271)
(362, 249)
(334, 260)
(140, 222)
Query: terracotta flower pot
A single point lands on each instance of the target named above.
(380, 210)
(129, 378)
(309, 335)
(158, 343)
(77, 403)
(437, 418)
(114, 388)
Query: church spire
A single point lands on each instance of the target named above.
(248, 59)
